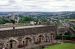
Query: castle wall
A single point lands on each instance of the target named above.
(27, 38)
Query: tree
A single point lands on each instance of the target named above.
(4, 20)
(13, 22)
(25, 19)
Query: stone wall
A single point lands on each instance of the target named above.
(27, 38)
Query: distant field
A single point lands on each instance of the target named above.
(62, 46)
(70, 19)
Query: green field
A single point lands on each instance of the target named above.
(69, 19)
(62, 46)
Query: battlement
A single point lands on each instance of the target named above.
(22, 27)
(25, 30)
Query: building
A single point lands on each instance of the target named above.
(27, 37)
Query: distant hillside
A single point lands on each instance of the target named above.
(38, 14)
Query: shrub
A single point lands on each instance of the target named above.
(67, 37)
(73, 37)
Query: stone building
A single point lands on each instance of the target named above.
(27, 37)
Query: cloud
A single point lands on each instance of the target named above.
(3, 2)
(37, 5)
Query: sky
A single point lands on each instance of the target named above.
(37, 5)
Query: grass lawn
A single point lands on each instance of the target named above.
(62, 46)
